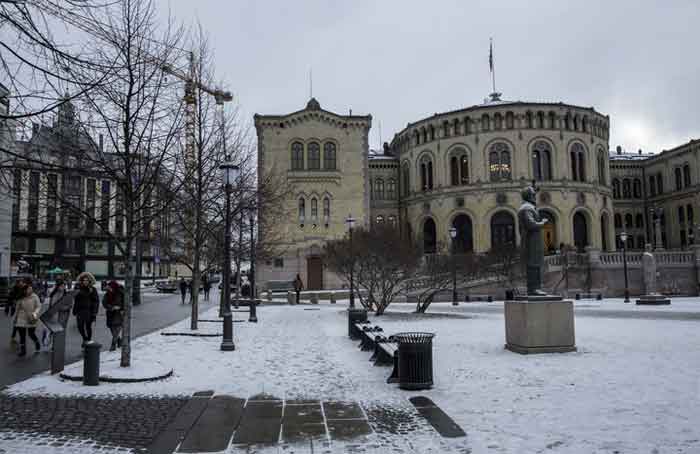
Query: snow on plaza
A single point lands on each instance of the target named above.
(632, 387)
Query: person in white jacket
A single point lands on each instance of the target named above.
(27, 318)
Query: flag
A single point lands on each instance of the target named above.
(491, 55)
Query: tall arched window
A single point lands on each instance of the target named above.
(601, 167)
(379, 189)
(567, 121)
(584, 124)
(576, 123)
(485, 122)
(329, 159)
(509, 120)
(454, 171)
(660, 183)
(618, 221)
(426, 173)
(626, 189)
(541, 161)
(314, 210)
(502, 230)
(637, 188)
(297, 156)
(528, 120)
(391, 189)
(302, 210)
(314, 151)
(639, 221)
(679, 178)
(498, 120)
(432, 132)
(467, 125)
(686, 175)
(499, 162)
(455, 127)
(578, 164)
(552, 120)
(652, 186)
(616, 188)
(580, 231)
(540, 120)
(629, 222)
(689, 211)
(326, 210)
(459, 167)
(405, 180)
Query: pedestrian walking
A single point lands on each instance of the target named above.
(183, 289)
(86, 303)
(55, 297)
(18, 291)
(113, 302)
(298, 287)
(207, 288)
(190, 288)
(27, 318)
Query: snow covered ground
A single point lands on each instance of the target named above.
(633, 386)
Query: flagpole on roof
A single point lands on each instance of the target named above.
(495, 96)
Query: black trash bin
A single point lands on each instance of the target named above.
(509, 295)
(91, 364)
(355, 316)
(415, 360)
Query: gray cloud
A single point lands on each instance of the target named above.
(636, 61)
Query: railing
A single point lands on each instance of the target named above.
(615, 258)
(674, 258)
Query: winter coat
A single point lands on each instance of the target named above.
(86, 303)
(183, 287)
(27, 315)
(113, 302)
(54, 299)
(64, 314)
(16, 294)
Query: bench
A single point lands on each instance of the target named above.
(385, 350)
(280, 286)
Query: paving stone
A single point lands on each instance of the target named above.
(302, 414)
(261, 423)
(293, 433)
(342, 410)
(437, 418)
(348, 429)
(214, 428)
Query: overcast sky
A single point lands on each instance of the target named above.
(400, 61)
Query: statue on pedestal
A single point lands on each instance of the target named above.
(532, 241)
(649, 268)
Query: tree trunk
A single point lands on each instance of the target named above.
(128, 287)
(195, 289)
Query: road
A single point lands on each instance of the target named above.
(157, 311)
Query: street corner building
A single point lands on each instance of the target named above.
(466, 169)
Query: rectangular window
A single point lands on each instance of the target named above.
(20, 244)
(72, 246)
(51, 201)
(73, 195)
(16, 197)
(104, 205)
(119, 217)
(33, 199)
(90, 206)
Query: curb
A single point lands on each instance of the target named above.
(193, 334)
(107, 379)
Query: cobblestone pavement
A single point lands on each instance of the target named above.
(81, 424)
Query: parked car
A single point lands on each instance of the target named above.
(168, 286)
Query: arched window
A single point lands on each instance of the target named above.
(485, 122)
(528, 119)
(329, 160)
(391, 189)
(502, 230)
(601, 167)
(652, 186)
(406, 179)
(498, 120)
(660, 183)
(618, 221)
(455, 127)
(584, 124)
(637, 188)
(540, 120)
(416, 138)
(326, 210)
(541, 161)
(578, 164)
(499, 162)
(567, 121)
(454, 171)
(639, 221)
(297, 156)
(432, 132)
(467, 125)
(626, 189)
(463, 240)
(580, 231)
(459, 168)
(302, 210)
(689, 211)
(552, 120)
(604, 230)
(679, 178)
(616, 188)
(464, 169)
(509, 120)
(445, 129)
(314, 210)
(314, 156)
(629, 222)
(686, 175)
(425, 135)
(576, 123)
(379, 189)
(429, 236)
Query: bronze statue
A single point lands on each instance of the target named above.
(531, 241)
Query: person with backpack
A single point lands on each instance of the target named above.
(113, 302)
(27, 318)
(86, 304)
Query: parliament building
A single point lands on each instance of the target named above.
(465, 169)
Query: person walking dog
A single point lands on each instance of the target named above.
(86, 303)
(27, 318)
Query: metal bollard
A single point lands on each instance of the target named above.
(91, 364)
(253, 312)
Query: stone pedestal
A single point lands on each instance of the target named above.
(540, 324)
(653, 300)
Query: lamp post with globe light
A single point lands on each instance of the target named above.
(453, 235)
(623, 240)
(350, 221)
(229, 174)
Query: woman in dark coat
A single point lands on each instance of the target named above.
(113, 302)
(86, 303)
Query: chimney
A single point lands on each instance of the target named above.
(619, 149)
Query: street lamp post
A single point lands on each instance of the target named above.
(350, 221)
(229, 173)
(453, 235)
(623, 239)
(251, 274)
